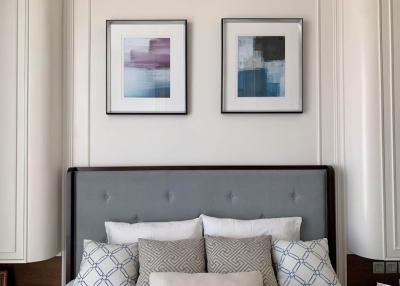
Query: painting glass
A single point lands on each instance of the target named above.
(261, 62)
(147, 67)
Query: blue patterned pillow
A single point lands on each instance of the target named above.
(108, 265)
(304, 263)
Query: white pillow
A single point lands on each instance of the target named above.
(253, 278)
(303, 263)
(123, 233)
(286, 228)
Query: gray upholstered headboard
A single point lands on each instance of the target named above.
(133, 194)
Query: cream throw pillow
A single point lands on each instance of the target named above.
(187, 256)
(230, 255)
(125, 233)
(284, 228)
(253, 278)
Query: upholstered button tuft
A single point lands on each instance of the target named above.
(295, 197)
(170, 196)
(107, 197)
(135, 218)
(231, 197)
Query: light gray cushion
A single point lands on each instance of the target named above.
(228, 255)
(253, 278)
(108, 264)
(187, 256)
(304, 263)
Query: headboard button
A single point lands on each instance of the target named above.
(135, 218)
(170, 196)
(295, 197)
(231, 197)
(107, 197)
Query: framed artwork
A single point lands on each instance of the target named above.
(3, 278)
(146, 67)
(262, 65)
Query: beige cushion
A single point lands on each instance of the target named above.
(187, 256)
(230, 255)
(284, 228)
(253, 278)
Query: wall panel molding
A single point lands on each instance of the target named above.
(396, 117)
(390, 44)
(22, 122)
(338, 137)
(318, 81)
(68, 114)
(81, 82)
(16, 251)
(332, 115)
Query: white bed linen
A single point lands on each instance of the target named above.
(125, 233)
(70, 283)
(284, 228)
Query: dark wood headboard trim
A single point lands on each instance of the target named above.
(70, 200)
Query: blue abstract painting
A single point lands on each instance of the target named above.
(261, 62)
(147, 67)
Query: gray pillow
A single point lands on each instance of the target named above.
(229, 255)
(108, 264)
(187, 256)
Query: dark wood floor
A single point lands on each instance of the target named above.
(48, 273)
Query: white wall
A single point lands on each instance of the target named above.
(204, 136)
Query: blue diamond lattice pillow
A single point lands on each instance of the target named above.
(303, 263)
(108, 265)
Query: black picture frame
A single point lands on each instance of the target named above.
(108, 59)
(249, 20)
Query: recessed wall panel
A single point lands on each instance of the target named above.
(8, 126)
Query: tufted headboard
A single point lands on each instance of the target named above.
(134, 194)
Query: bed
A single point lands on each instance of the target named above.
(142, 194)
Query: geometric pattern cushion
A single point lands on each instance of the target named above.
(187, 256)
(303, 263)
(229, 255)
(108, 264)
